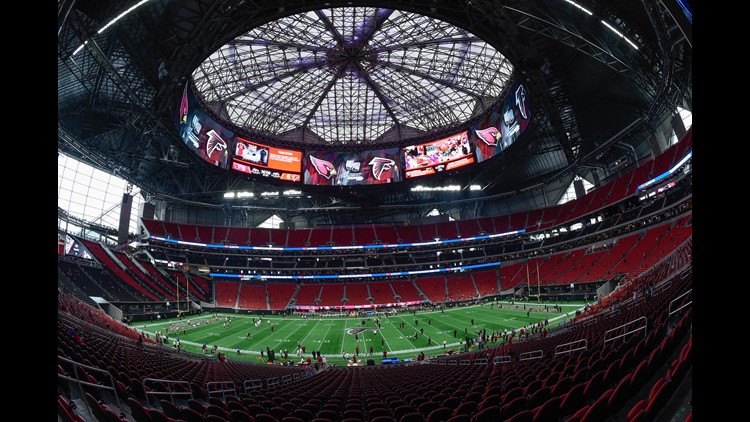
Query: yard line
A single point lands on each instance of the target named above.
(310, 332)
(408, 337)
(342, 338)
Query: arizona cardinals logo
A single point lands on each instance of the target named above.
(521, 101)
(491, 136)
(184, 105)
(380, 165)
(323, 167)
(214, 143)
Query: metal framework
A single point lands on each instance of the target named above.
(351, 74)
(425, 69)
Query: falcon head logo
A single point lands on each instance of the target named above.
(380, 165)
(214, 143)
(521, 101)
(184, 106)
(323, 167)
(491, 136)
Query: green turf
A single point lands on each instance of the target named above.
(330, 336)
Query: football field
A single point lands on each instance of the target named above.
(335, 335)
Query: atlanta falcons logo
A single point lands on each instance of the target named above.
(491, 136)
(323, 167)
(379, 165)
(184, 106)
(214, 143)
(521, 101)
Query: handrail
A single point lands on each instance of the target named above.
(272, 382)
(534, 354)
(571, 347)
(250, 385)
(167, 383)
(81, 383)
(502, 359)
(626, 333)
(223, 387)
(671, 312)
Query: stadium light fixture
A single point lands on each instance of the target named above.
(475, 187)
(229, 195)
(587, 11)
(112, 22)
(620, 34)
(245, 194)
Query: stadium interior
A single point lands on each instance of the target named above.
(312, 164)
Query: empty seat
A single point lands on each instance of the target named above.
(488, 414)
(440, 414)
(549, 411)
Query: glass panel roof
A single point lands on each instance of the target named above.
(351, 74)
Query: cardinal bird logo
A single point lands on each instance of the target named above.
(214, 143)
(184, 106)
(380, 165)
(323, 167)
(491, 136)
(521, 101)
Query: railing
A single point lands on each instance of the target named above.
(482, 361)
(626, 331)
(689, 292)
(250, 385)
(272, 382)
(452, 362)
(76, 378)
(216, 388)
(534, 354)
(149, 383)
(464, 362)
(571, 347)
(499, 360)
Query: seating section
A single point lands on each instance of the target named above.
(606, 194)
(592, 384)
(143, 278)
(433, 287)
(407, 291)
(205, 234)
(320, 236)
(381, 292)
(461, 287)
(226, 293)
(364, 235)
(342, 236)
(279, 295)
(486, 282)
(298, 238)
(357, 294)
(308, 294)
(253, 296)
(101, 255)
(331, 295)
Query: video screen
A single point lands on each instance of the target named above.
(503, 126)
(267, 161)
(201, 133)
(437, 156)
(345, 168)
(74, 248)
